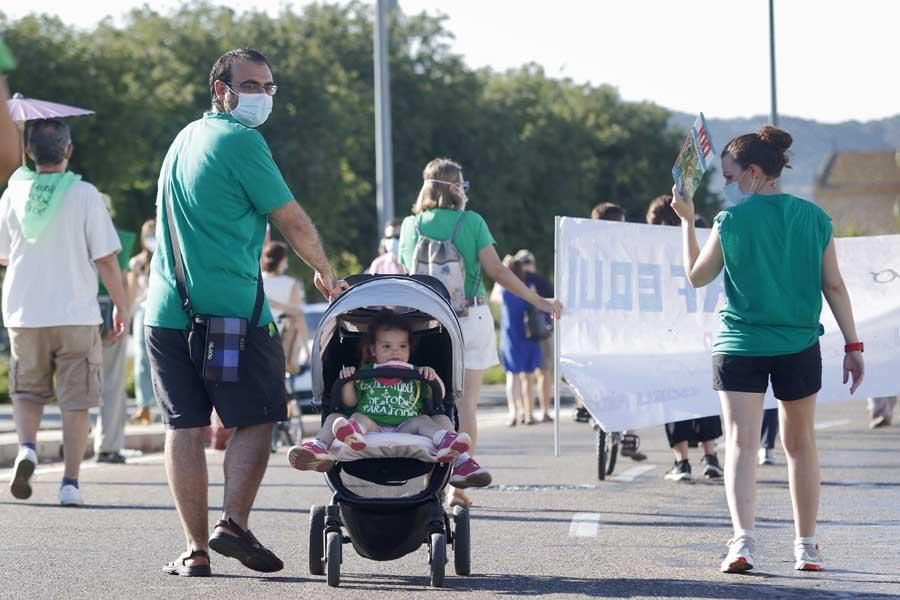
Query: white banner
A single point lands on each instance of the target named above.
(636, 337)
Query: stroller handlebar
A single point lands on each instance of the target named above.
(432, 403)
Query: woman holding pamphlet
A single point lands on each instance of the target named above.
(778, 257)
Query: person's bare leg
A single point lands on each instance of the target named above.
(545, 381)
(189, 483)
(709, 447)
(76, 426)
(527, 396)
(468, 409)
(512, 404)
(680, 450)
(246, 459)
(798, 436)
(742, 423)
(27, 415)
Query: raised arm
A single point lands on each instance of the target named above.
(500, 273)
(299, 231)
(838, 299)
(700, 266)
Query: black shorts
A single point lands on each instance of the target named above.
(794, 376)
(187, 398)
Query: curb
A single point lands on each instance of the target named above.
(146, 438)
(151, 438)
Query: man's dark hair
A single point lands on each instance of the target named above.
(608, 211)
(661, 212)
(221, 71)
(48, 140)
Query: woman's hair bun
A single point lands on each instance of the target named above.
(779, 138)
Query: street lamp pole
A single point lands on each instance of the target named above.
(384, 155)
(774, 113)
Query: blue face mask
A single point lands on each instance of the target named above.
(734, 195)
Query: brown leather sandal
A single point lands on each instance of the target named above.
(232, 541)
(181, 568)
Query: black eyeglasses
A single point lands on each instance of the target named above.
(253, 87)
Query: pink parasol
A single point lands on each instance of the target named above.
(28, 109)
(23, 109)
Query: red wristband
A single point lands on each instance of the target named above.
(854, 347)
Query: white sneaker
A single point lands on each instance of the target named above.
(807, 556)
(23, 469)
(69, 495)
(766, 456)
(739, 559)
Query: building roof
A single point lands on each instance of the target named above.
(862, 172)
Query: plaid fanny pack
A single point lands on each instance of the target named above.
(223, 343)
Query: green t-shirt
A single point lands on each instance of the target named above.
(222, 181)
(773, 247)
(126, 238)
(388, 402)
(439, 224)
(7, 62)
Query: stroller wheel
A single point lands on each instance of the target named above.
(333, 558)
(317, 540)
(462, 541)
(438, 554)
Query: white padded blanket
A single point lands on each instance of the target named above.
(387, 445)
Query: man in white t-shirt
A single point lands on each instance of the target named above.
(55, 238)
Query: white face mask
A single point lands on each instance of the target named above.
(150, 243)
(252, 109)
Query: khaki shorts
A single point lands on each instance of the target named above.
(479, 339)
(72, 354)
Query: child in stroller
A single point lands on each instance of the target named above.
(383, 404)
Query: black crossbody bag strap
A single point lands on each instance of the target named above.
(175, 248)
(181, 281)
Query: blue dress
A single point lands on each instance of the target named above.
(517, 353)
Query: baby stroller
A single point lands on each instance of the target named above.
(388, 507)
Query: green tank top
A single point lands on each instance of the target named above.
(773, 247)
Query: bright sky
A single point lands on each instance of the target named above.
(837, 60)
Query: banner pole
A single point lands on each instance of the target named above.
(556, 291)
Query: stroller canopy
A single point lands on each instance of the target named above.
(406, 294)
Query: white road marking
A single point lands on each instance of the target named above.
(632, 473)
(585, 525)
(830, 424)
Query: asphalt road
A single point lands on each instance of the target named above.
(546, 528)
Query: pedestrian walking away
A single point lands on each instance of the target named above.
(138, 283)
(768, 241)
(442, 221)
(218, 186)
(109, 435)
(56, 236)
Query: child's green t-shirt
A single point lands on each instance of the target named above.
(388, 402)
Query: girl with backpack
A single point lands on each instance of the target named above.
(445, 240)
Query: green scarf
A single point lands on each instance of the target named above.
(37, 208)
